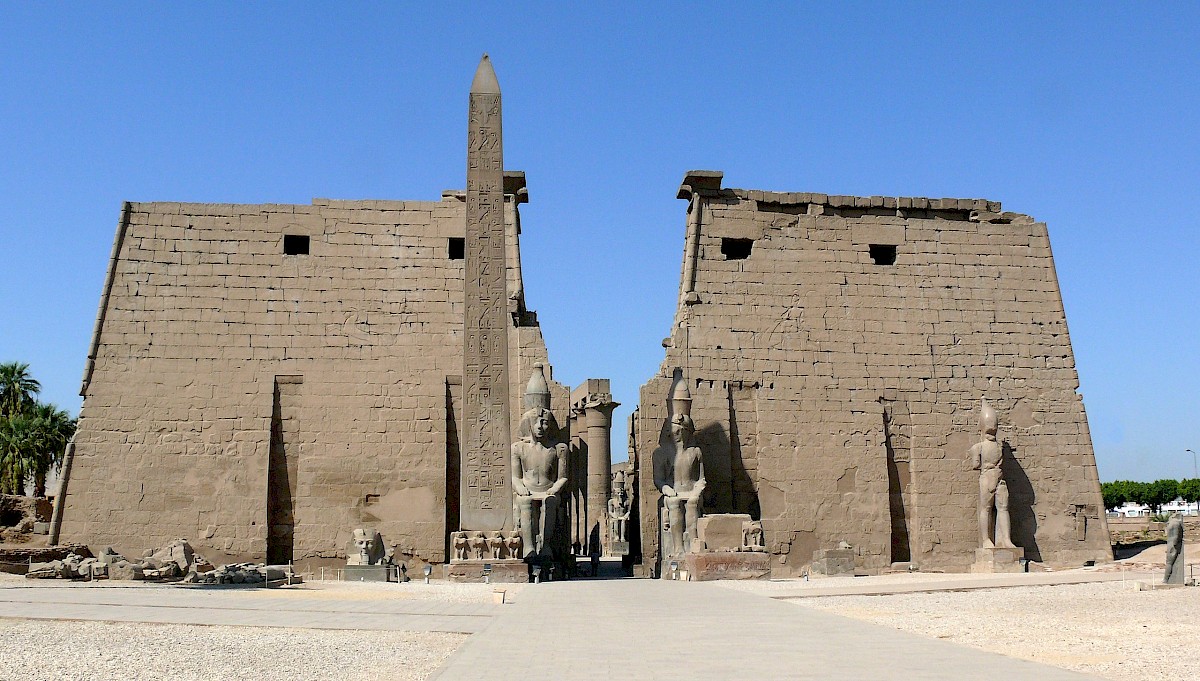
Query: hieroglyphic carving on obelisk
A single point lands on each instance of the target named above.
(486, 496)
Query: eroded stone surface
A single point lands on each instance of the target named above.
(837, 348)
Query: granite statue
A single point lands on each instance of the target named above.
(366, 548)
(986, 457)
(619, 509)
(679, 474)
(1175, 564)
(539, 469)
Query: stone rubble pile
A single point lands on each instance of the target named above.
(171, 562)
(237, 573)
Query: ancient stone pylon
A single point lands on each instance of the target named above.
(486, 493)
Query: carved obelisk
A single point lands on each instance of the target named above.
(486, 491)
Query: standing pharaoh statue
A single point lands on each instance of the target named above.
(679, 475)
(539, 470)
(986, 456)
(1175, 564)
(619, 508)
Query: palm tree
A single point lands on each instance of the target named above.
(18, 438)
(53, 428)
(17, 388)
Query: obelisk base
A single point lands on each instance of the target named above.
(497, 571)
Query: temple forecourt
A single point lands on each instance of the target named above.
(276, 382)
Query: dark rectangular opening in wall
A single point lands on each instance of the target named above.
(883, 255)
(457, 247)
(736, 249)
(295, 244)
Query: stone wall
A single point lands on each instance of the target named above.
(837, 348)
(236, 393)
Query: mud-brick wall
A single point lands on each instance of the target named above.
(236, 387)
(815, 338)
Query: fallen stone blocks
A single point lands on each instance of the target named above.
(171, 562)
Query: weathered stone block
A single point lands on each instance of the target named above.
(707, 565)
(722, 531)
(358, 573)
(830, 562)
(998, 559)
(125, 571)
(502, 571)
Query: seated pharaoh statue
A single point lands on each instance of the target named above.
(539, 470)
(679, 475)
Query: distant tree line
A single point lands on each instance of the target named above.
(1153, 494)
(33, 434)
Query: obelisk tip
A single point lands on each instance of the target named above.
(485, 78)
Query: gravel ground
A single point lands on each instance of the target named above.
(39, 650)
(1107, 629)
(151, 652)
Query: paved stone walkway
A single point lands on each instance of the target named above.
(653, 629)
(242, 607)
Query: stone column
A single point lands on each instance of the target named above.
(597, 407)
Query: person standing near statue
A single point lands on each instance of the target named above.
(679, 474)
(986, 457)
(539, 469)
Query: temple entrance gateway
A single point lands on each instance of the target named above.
(814, 409)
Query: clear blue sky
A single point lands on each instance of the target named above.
(1084, 116)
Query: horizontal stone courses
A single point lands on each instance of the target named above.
(842, 201)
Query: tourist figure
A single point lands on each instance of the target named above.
(679, 474)
(986, 456)
(539, 468)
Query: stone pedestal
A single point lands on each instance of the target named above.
(830, 562)
(709, 565)
(367, 573)
(503, 571)
(618, 548)
(721, 531)
(999, 559)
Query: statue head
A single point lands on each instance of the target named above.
(682, 428)
(538, 424)
(1002, 495)
(366, 547)
(987, 420)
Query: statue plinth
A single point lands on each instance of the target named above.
(618, 548)
(729, 546)
(999, 559)
(498, 571)
(368, 573)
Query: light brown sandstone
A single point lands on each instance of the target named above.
(834, 394)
